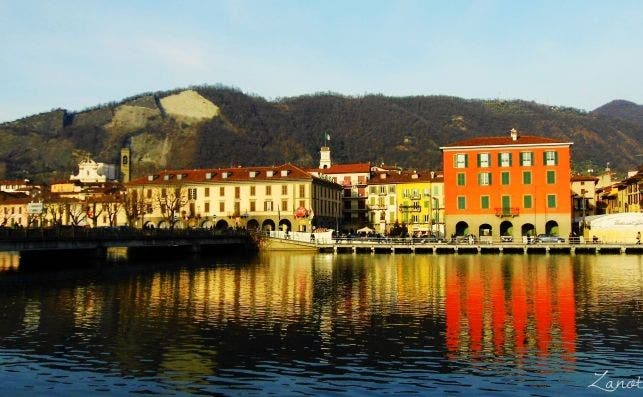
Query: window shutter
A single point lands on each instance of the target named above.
(466, 160)
(499, 159)
(521, 160)
(479, 176)
(455, 161)
(490, 178)
(509, 159)
(544, 158)
(479, 161)
(555, 158)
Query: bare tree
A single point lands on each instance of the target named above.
(170, 202)
(77, 212)
(133, 204)
(55, 210)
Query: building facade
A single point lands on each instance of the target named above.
(354, 180)
(507, 187)
(283, 197)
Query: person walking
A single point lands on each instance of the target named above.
(638, 238)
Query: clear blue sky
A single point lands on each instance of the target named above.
(76, 54)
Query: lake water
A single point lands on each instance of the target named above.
(323, 324)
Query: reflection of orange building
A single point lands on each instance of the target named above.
(532, 308)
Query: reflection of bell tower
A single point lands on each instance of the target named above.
(324, 157)
(125, 164)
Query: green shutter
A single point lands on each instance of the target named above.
(479, 178)
(506, 202)
(555, 158)
(484, 202)
(490, 179)
(510, 158)
(466, 160)
(527, 201)
(551, 201)
(521, 162)
(478, 156)
(499, 159)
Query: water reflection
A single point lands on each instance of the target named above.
(324, 323)
(511, 308)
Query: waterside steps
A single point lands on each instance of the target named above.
(395, 246)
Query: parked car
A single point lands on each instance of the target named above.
(549, 238)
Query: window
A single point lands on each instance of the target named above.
(460, 160)
(391, 189)
(284, 205)
(302, 190)
(206, 207)
(526, 201)
(372, 190)
(206, 192)
(526, 177)
(237, 192)
(382, 189)
(484, 178)
(551, 177)
(550, 158)
(551, 201)
(284, 190)
(391, 200)
(504, 159)
(192, 193)
(462, 202)
(148, 209)
(415, 218)
(526, 159)
(268, 190)
(163, 192)
(222, 191)
(506, 203)
(426, 219)
(484, 160)
(221, 206)
(267, 205)
(253, 206)
(505, 178)
(253, 190)
(461, 180)
(484, 202)
(149, 193)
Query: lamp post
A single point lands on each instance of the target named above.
(582, 230)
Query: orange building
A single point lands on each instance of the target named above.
(507, 187)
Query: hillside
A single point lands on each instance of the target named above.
(620, 109)
(218, 126)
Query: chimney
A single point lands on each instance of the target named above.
(514, 134)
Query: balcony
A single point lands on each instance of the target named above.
(506, 212)
(410, 208)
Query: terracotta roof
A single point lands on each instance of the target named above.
(404, 177)
(505, 140)
(578, 178)
(15, 182)
(231, 174)
(344, 169)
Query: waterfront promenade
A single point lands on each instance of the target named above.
(302, 241)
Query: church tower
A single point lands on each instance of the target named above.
(125, 164)
(324, 157)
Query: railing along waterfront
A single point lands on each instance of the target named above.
(82, 238)
(459, 244)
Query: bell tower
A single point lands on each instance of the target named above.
(125, 164)
(324, 157)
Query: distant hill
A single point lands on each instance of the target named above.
(209, 126)
(624, 110)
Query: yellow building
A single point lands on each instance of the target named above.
(281, 197)
(415, 199)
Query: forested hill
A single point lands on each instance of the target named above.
(218, 126)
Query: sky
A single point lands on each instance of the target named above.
(78, 54)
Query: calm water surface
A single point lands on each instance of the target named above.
(317, 324)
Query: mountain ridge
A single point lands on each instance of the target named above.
(250, 130)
